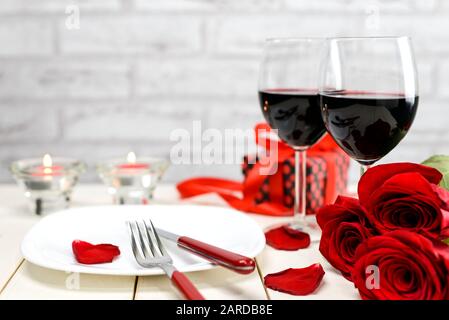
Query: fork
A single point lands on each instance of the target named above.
(150, 252)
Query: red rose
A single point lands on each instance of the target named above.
(344, 227)
(402, 265)
(405, 196)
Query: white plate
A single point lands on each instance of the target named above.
(49, 243)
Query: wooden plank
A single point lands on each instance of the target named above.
(33, 282)
(215, 284)
(12, 232)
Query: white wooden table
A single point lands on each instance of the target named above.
(22, 280)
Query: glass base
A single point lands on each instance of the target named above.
(131, 200)
(131, 195)
(308, 226)
(42, 206)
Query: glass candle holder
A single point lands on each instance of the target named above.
(48, 182)
(132, 180)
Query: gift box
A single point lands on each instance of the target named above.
(271, 192)
(320, 189)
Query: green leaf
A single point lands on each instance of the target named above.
(441, 163)
(446, 241)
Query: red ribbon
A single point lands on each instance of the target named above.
(242, 196)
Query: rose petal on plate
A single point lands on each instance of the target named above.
(300, 282)
(281, 239)
(87, 253)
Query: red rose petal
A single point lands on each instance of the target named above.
(343, 207)
(298, 282)
(293, 232)
(377, 175)
(88, 253)
(347, 202)
(443, 194)
(284, 238)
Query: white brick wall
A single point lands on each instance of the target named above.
(200, 77)
(148, 34)
(23, 123)
(64, 79)
(56, 6)
(147, 122)
(136, 69)
(18, 37)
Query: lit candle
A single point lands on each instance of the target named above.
(47, 169)
(132, 164)
(132, 180)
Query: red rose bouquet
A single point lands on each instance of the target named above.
(389, 242)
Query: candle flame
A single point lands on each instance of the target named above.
(47, 162)
(131, 158)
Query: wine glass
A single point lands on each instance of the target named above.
(368, 94)
(288, 96)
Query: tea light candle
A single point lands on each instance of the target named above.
(48, 182)
(132, 164)
(132, 180)
(44, 174)
(47, 169)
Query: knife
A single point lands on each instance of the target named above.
(216, 255)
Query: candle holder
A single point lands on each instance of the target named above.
(48, 182)
(132, 180)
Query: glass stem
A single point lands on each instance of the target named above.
(363, 169)
(300, 183)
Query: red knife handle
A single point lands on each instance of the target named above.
(189, 291)
(224, 258)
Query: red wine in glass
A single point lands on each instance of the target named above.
(288, 95)
(295, 113)
(366, 125)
